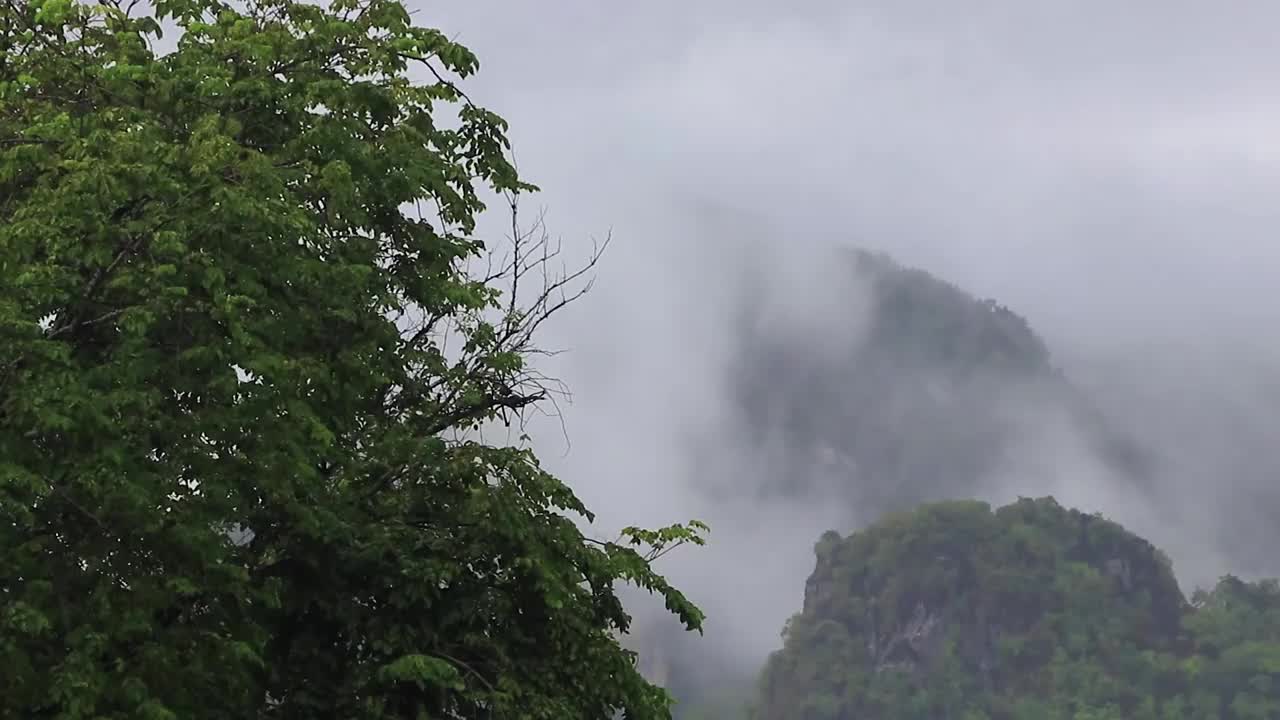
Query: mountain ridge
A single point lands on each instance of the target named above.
(935, 384)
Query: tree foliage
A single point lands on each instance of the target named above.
(240, 355)
(1031, 611)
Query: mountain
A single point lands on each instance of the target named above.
(1031, 611)
(918, 391)
(881, 387)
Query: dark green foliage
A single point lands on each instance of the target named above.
(1030, 611)
(235, 479)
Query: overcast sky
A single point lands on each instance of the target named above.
(1070, 158)
(1109, 170)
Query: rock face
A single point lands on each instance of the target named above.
(954, 607)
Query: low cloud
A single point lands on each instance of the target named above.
(1107, 171)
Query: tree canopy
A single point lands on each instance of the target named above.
(240, 357)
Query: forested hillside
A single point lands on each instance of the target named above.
(1031, 611)
(916, 391)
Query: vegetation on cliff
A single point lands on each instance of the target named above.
(1028, 612)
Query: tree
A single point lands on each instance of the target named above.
(238, 476)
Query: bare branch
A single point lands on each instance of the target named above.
(54, 332)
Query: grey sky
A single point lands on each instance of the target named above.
(1070, 158)
(1109, 170)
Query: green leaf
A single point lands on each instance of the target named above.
(423, 671)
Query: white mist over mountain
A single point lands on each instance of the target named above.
(1106, 171)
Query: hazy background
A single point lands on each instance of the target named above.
(1107, 170)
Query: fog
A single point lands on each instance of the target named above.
(1107, 171)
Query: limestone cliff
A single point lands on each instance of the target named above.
(955, 607)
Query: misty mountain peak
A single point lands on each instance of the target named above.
(926, 391)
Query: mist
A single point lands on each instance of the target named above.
(1108, 172)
